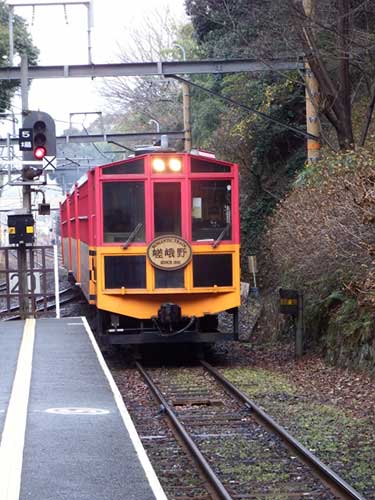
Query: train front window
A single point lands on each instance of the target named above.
(123, 211)
(211, 210)
(167, 208)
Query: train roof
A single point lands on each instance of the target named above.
(205, 156)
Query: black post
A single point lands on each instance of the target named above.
(22, 281)
(236, 325)
(300, 326)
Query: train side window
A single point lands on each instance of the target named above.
(123, 211)
(211, 210)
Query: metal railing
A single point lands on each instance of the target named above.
(41, 281)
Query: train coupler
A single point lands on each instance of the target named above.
(169, 314)
(169, 320)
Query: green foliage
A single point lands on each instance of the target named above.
(237, 28)
(253, 219)
(347, 332)
(22, 45)
(268, 154)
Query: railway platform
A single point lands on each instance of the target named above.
(65, 431)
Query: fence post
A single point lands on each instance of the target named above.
(56, 273)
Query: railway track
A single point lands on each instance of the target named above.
(66, 296)
(238, 450)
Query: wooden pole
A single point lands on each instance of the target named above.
(312, 98)
(187, 116)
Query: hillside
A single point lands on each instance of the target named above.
(321, 239)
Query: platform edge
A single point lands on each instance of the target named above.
(128, 422)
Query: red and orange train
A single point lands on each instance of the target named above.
(154, 243)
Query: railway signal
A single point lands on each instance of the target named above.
(20, 228)
(43, 135)
(292, 304)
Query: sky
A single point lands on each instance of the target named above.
(61, 36)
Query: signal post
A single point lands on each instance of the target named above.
(39, 130)
(26, 199)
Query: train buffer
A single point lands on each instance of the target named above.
(64, 430)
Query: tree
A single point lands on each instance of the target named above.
(236, 28)
(337, 43)
(22, 45)
(141, 99)
(337, 40)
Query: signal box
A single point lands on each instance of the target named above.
(20, 228)
(289, 302)
(44, 209)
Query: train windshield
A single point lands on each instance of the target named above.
(211, 210)
(167, 208)
(123, 211)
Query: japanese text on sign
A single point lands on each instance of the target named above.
(25, 139)
(169, 253)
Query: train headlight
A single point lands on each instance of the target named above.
(158, 165)
(175, 165)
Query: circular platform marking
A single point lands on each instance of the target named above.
(77, 411)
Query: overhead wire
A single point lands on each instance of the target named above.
(93, 143)
(247, 108)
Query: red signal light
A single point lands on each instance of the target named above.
(40, 152)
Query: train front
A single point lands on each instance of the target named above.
(167, 248)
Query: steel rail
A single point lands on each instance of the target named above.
(49, 306)
(40, 299)
(325, 473)
(204, 467)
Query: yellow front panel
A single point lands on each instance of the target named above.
(144, 303)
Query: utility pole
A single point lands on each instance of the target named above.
(11, 35)
(312, 97)
(26, 200)
(186, 106)
(187, 116)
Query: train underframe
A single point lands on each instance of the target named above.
(168, 327)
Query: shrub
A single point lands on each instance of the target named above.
(321, 238)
